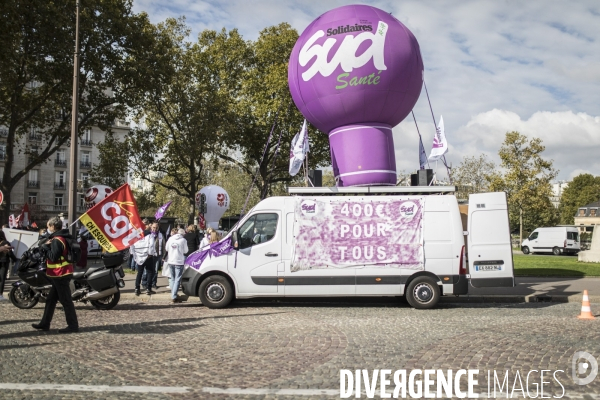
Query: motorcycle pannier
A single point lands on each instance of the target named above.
(112, 260)
(102, 280)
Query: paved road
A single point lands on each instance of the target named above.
(296, 349)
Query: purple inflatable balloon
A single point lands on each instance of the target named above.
(355, 73)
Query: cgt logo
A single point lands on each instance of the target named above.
(221, 198)
(308, 207)
(584, 368)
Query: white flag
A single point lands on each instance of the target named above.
(298, 150)
(422, 155)
(440, 145)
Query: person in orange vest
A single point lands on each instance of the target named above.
(60, 272)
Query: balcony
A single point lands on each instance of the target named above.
(60, 185)
(59, 208)
(33, 184)
(59, 162)
(35, 137)
(3, 132)
(85, 164)
(86, 142)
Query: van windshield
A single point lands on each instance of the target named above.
(573, 236)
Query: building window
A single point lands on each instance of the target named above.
(32, 198)
(86, 139)
(61, 159)
(86, 159)
(60, 179)
(82, 200)
(1, 173)
(593, 212)
(2, 151)
(58, 199)
(582, 212)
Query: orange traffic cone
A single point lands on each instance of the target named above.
(586, 311)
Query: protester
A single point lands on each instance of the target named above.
(159, 247)
(60, 271)
(206, 240)
(43, 232)
(214, 237)
(191, 237)
(176, 247)
(6, 255)
(144, 253)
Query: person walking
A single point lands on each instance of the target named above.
(176, 247)
(6, 255)
(144, 252)
(60, 272)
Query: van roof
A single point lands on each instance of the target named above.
(361, 190)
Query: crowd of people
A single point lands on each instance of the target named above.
(156, 250)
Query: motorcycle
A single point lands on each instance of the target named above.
(98, 284)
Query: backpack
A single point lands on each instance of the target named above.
(73, 250)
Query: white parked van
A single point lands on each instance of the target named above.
(556, 240)
(366, 241)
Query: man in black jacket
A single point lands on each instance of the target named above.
(60, 272)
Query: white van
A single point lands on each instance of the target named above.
(365, 241)
(556, 240)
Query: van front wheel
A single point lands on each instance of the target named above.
(525, 250)
(556, 251)
(423, 292)
(215, 292)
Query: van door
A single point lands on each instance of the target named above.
(259, 254)
(489, 244)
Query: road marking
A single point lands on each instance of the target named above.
(90, 388)
(280, 392)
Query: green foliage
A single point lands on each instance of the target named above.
(583, 189)
(261, 100)
(526, 181)
(182, 122)
(111, 169)
(36, 72)
(472, 175)
(542, 265)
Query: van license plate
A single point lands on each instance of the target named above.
(488, 268)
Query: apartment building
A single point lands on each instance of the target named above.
(46, 187)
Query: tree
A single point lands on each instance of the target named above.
(582, 190)
(472, 175)
(526, 181)
(36, 66)
(262, 101)
(111, 169)
(186, 112)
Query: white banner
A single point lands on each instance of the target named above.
(346, 233)
(440, 145)
(298, 150)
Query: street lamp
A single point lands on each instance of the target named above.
(72, 210)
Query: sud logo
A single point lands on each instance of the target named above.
(308, 207)
(408, 209)
(345, 54)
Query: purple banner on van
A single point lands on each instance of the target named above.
(352, 233)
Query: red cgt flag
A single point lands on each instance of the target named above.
(115, 221)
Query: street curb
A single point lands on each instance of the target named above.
(475, 299)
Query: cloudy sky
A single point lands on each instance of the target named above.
(490, 67)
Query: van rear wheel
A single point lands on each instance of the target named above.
(525, 250)
(556, 251)
(215, 292)
(423, 293)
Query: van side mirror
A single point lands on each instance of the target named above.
(234, 240)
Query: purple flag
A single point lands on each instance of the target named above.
(216, 249)
(162, 210)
